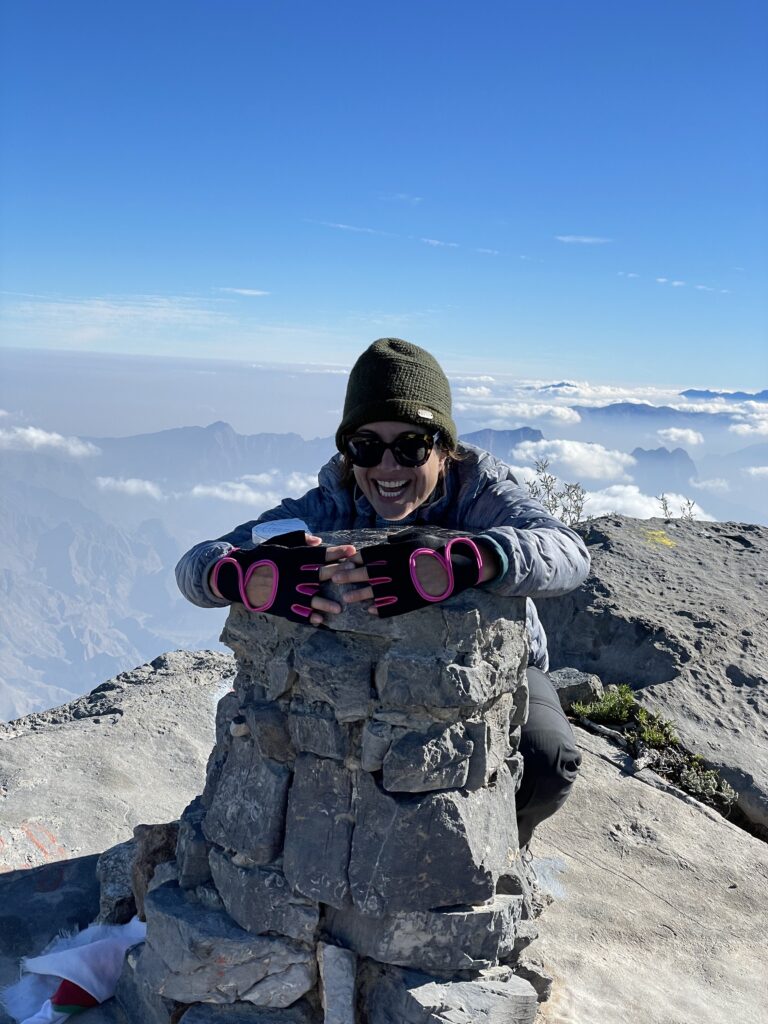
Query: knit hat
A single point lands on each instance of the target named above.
(395, 380)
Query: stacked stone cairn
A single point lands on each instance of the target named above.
(353, 858)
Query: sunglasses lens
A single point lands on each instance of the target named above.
(365, 451)
(412, 450)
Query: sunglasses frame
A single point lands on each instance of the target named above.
(391, 446)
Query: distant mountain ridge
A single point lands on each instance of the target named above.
(736, 396)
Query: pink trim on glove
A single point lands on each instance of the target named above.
(445, 562)
(242, 581)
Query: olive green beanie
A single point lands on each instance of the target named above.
(395, 380)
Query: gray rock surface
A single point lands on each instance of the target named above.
(247, 809)
(246, 1013)
(114, 870)
(192, 847)
(679, 611)
(573, 685)
(76, 779)
(418, 762)
(194, 954)
(659, 905)
(412, 998)
(430, 851)
(338, 983)
(452, 939)
(319, 830)
(260, 899)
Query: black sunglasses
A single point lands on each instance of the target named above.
(411, 450)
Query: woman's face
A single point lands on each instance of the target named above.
(394, 490)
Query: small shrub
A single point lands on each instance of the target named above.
(615, 706)
(567, 504)
(655, 731)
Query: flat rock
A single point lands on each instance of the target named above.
(144, 735)
(247, 809)
(319, 830)
(246, 1013)
(657, 912)
(573, 685)
(192, 847)
(678, 611)
(418, 762)
(409, 997)
(314, 729)
(440, 849)
(338, 983)
(261, 900)
(452, 939)
(195, 954)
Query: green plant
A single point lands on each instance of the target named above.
(654, 731)
(615, 706)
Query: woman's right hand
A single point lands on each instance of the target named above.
(259, 587)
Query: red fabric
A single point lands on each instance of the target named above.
(71, 995)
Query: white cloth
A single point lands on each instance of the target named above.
(92, 959)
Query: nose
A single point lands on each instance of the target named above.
(388, 460)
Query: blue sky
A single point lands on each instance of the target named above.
(551, 190)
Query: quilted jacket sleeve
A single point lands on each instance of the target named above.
(194, 568)
(545, 557)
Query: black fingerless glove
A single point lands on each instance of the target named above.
(392, 569)
(295, 567)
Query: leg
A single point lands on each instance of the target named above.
(551, 758)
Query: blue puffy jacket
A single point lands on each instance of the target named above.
(540, 556)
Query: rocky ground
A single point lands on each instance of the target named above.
(76, 779)
(679, 610)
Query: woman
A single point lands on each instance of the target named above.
(401, 463)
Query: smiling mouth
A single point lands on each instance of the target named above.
(390, 489)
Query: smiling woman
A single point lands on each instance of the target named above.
(400, 462)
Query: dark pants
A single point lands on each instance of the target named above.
(550, 757)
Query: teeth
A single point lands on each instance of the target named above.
(391, 487)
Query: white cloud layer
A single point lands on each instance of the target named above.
(578, 460)
(629, 500)
(752, 421)
(679, 435)
(757, 471)
(252, 292)
(132, 486)
(583, 239)
(33, 439)
(258, 490)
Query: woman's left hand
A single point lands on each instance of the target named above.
(431, 575)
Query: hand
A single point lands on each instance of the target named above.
(260, 585)
(431, 575)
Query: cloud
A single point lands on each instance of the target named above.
(578, 460)
(677, 284)
(481, 391)
(132, 486)
(490, 252)
(353, 227)
(258, 490)
(661, 280)
(4, 412)
(583, 239)
(629, 500)
(679, 435)
(34, 439)
(501, 415)
(750, 421)
(758, 471)
(402, 197)
(244, 291)
(437, 244)
(717, 484)
(703, 288)
(624, 273)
